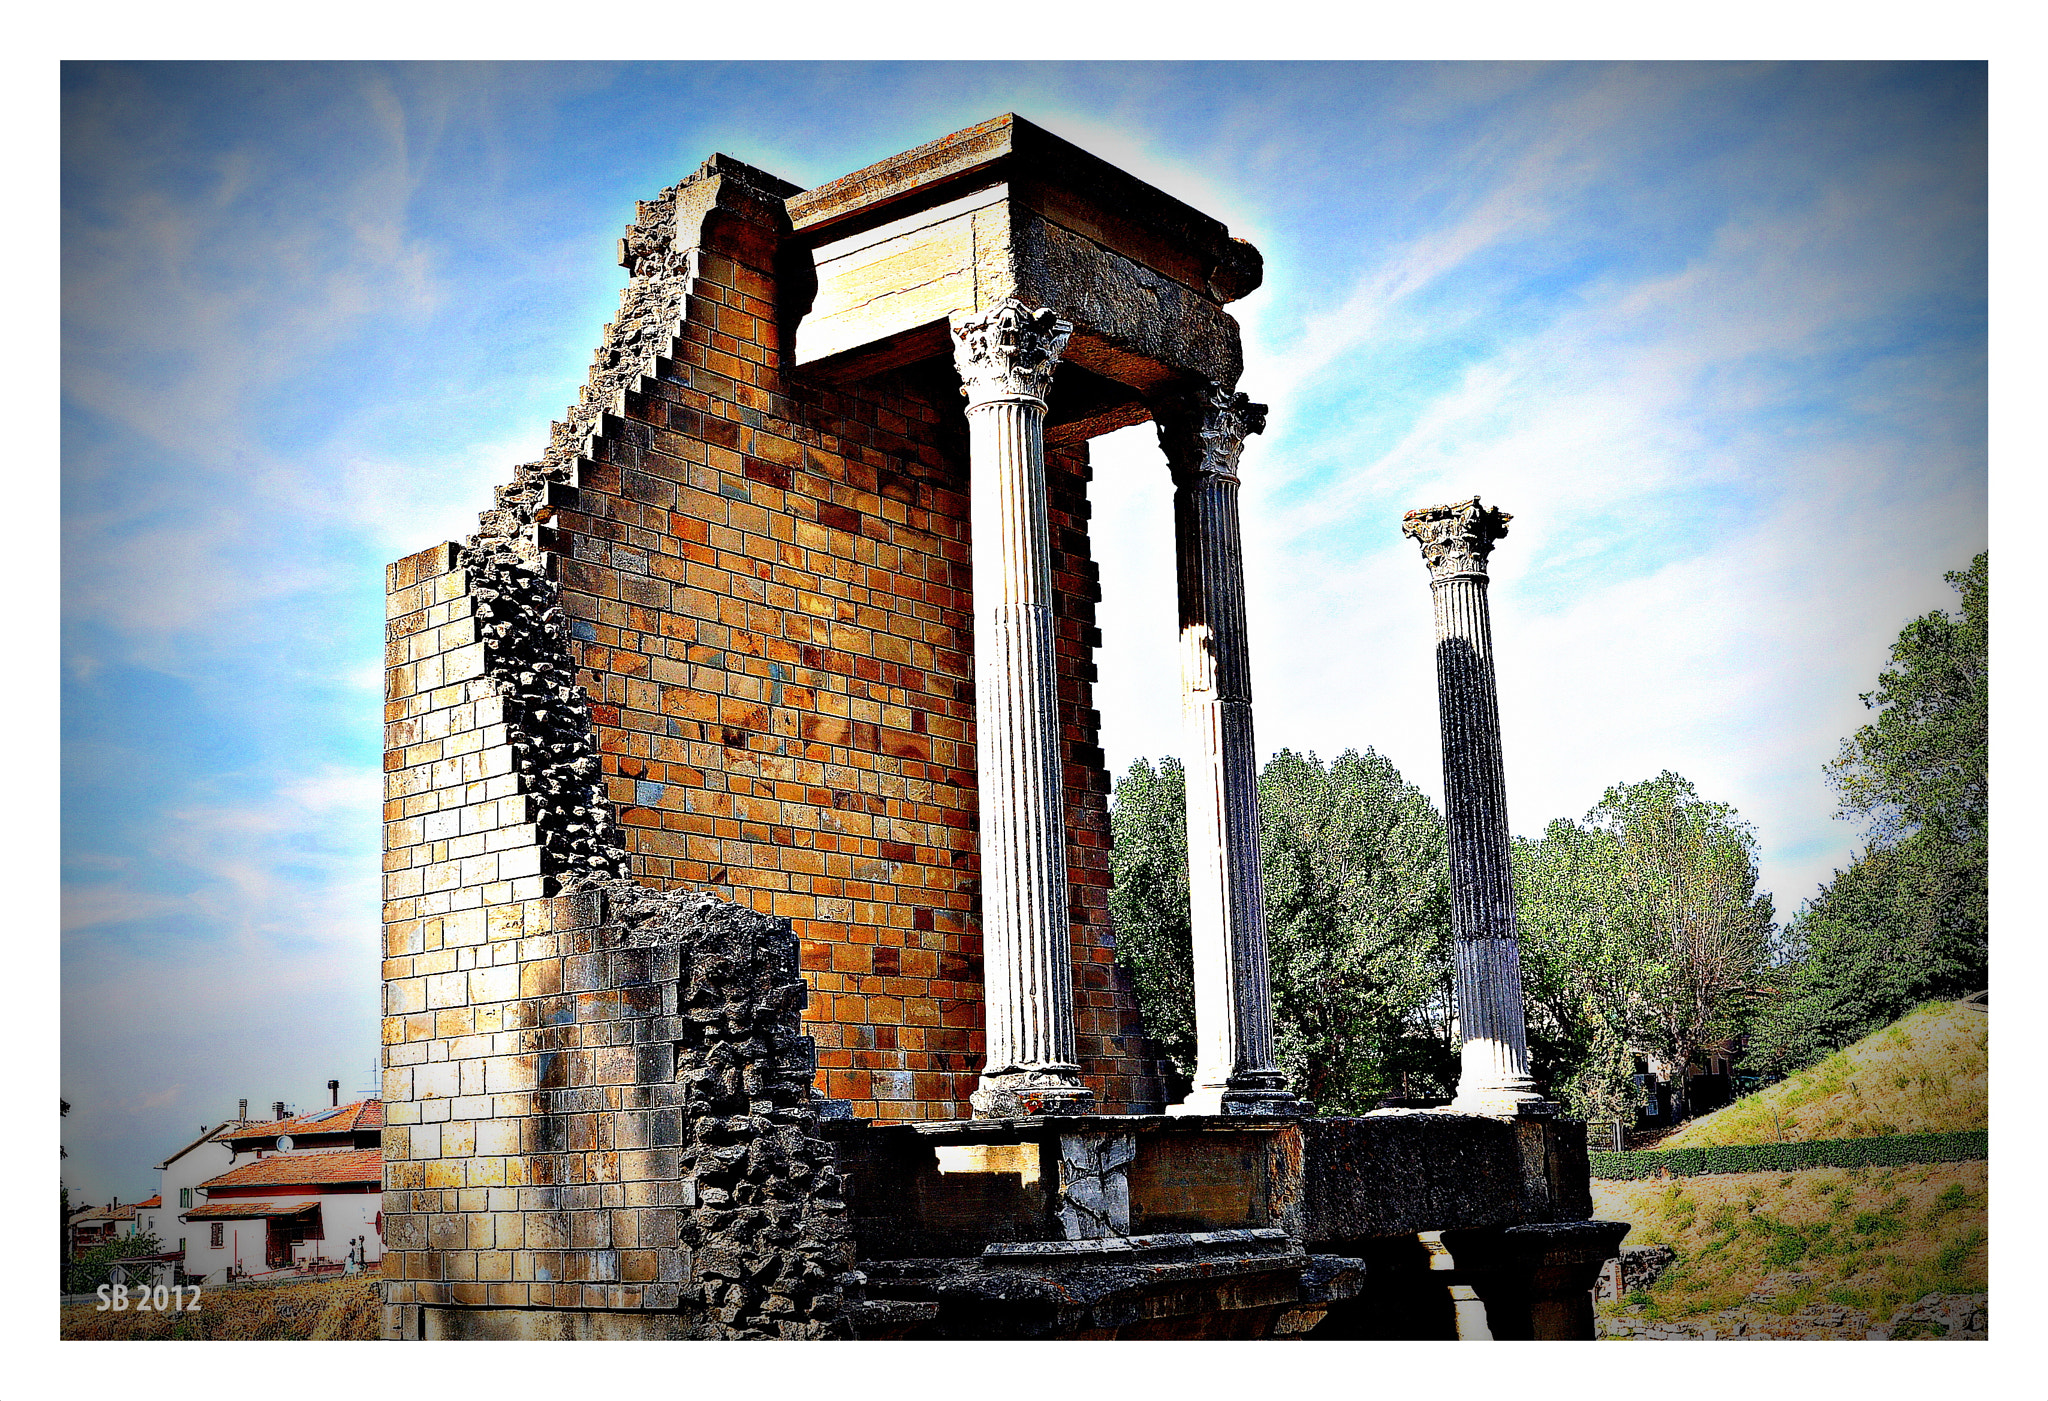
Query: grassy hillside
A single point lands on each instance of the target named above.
(326, 1309)
(1925, 1073)
(1874, 1239)
(1869, 1238)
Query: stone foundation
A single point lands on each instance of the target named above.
(618, 1139)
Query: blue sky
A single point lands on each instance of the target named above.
(1712, 333)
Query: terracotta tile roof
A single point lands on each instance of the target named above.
(157, 1200)
(303, 1170)
(219, 1134)
(244, 1209)
(362, 1116)
(104, 1213)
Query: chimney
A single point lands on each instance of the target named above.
(334, 1092)
(242, 1110)
(277, 1109)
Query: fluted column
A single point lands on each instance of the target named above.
(1494, 1070)
(1006, 358)
(1234, 1071)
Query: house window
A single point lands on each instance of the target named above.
(181, 1245)
(219, 1239)
(184, 1198)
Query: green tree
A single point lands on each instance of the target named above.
(1643, 931)
(88, 1271)
(1903, 925)
(1148, 901)
(1924, 762)
(1357, 914)
(1908, 920)
(1582, 978)
(1357, 877)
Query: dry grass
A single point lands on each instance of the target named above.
(1925, 1073)
(1871, 1238)
(327, 1309)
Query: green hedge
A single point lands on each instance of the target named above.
(1888, 1151)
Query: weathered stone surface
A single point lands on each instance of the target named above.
(657, 1152)
(921, 1190)
(547, 716)
(1396, 1172)
(1006, 358)
(1094, 1186)
(1637, 1267)
(1214, 1289)
(1494, 1075)
(1134, 326)
(1203, 436)
(1211, 1180)
(1942, 1318)
(1150, 1247)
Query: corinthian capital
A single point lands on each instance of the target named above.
(1456, 539)
(1203, 433)
(1009, 352)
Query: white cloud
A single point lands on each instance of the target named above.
(1733, 481)
(96, 906)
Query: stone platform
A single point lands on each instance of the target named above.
(1391, 1225)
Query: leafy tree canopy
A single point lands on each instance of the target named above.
(88, 1271)
(1357, 912)
(1924, 761)
(1642, 931)
(1908, 921)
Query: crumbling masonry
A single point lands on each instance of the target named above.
(748, 970)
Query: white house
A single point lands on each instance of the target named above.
(296, 1191)
(208, 1155)
(288, 1210)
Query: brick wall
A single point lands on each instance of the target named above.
(770, 593)
(768, 596)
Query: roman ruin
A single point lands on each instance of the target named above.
(748, 970)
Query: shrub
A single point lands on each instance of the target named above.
(1890, 1150)
(88, 1271)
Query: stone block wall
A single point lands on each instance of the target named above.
(613, 1116)
(458, 836)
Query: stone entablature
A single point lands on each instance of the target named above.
(1005, 211)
